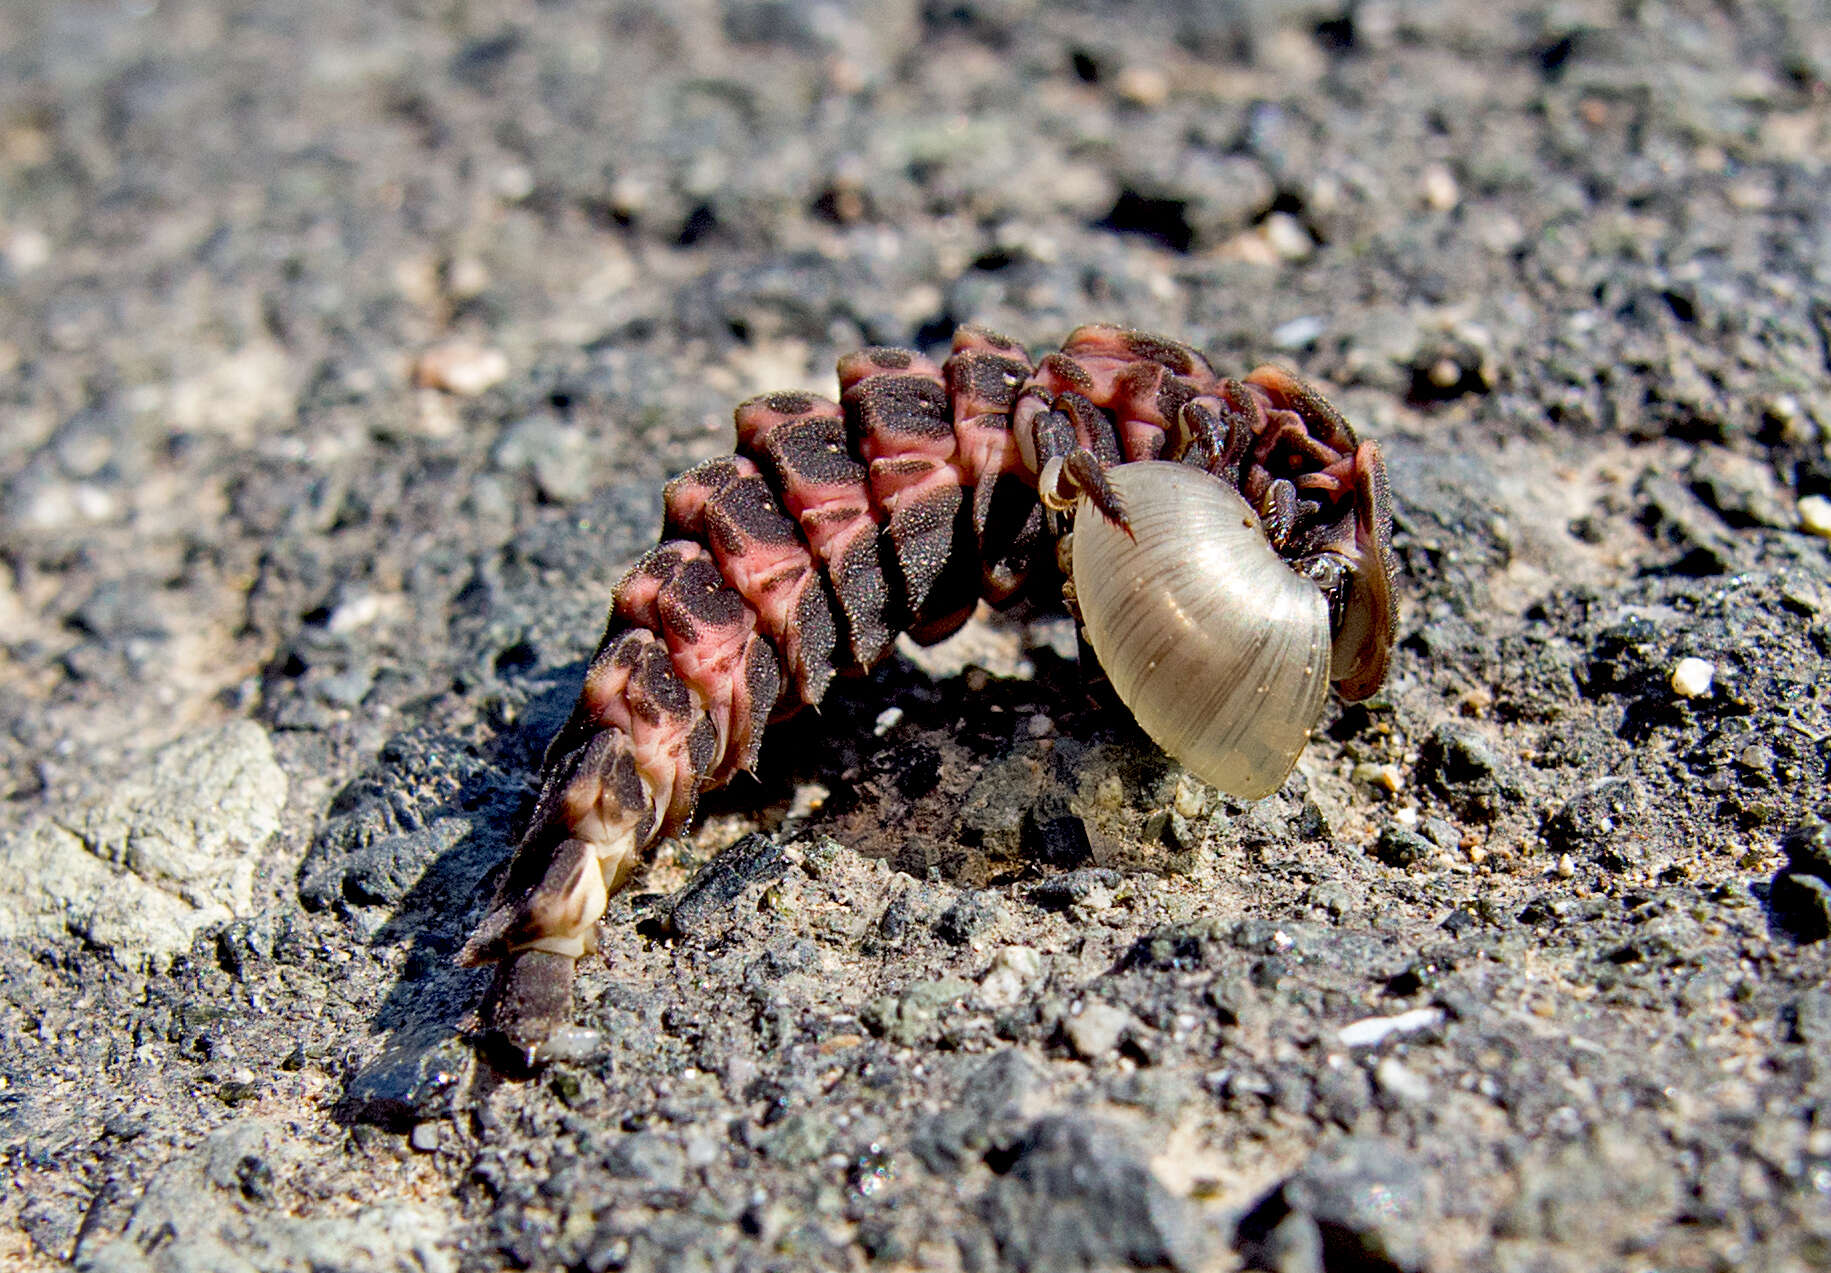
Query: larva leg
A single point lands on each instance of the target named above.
(1278, 512)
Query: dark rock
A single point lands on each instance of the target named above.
(413, 1079)
(1401, 847)
(970, 916)
(1063, 891)
(1801, 906)
(1808, 847)
(1356, 1204)
(993, 1097)
(1460, 765)
(1076, 1194)
(1604, 823)
(894, 922)
(755, 859)
(382, 873)
(1679, 519)
(244, 944)
(1055, 837)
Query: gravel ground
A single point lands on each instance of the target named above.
(344, 350)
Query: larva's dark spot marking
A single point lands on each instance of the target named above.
(819, 638)
(901, 406)
(1175, 355)
(763, 678)
(838, 523)
(836, 514)
(915, 466)
(988, 382)
(1067, 370)
(623, 780)
(790, 402)
(702, 744)
(921, 534)
(655, 690)
(746, 511)
(701, 596)
(865, 599)
(815, 452)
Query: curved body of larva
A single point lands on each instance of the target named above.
(925, 488)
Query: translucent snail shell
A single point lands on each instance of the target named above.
(1220, 649)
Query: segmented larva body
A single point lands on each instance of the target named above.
(925, 488)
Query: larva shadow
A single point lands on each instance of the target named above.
(975, 778)
(409, 853)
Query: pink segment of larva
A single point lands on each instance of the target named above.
(837, 525)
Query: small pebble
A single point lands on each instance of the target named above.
(1403, 1084)
(1441, 192)
(1692, 678)
(1286, 237)
(1190, 800)
(1371, 1031)
(1385, 776)
(1445, 373)
(1142, 85)
(1815, 515)
(1013, 969)
(425, 1137)
(464, 370)
(887, 720)
(571, 1043)
(1299, 333)
(1097, 1030)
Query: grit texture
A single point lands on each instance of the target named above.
(344, 350)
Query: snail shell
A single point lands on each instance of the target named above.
(1220, 649)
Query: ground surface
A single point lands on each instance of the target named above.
(1509, 976)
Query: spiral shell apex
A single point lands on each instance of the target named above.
(1220, 649)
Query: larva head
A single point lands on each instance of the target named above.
(1218, 647)
(1366, 614)
(1344, 541)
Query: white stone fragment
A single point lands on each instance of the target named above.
(1097, 1030)
(1371, 1031)
(1014, 969)
(1815, 515)
(464, 370)
(1692, 678)
(1403, 1084)
(153, 855)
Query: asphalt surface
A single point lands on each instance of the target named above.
(344, 350)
